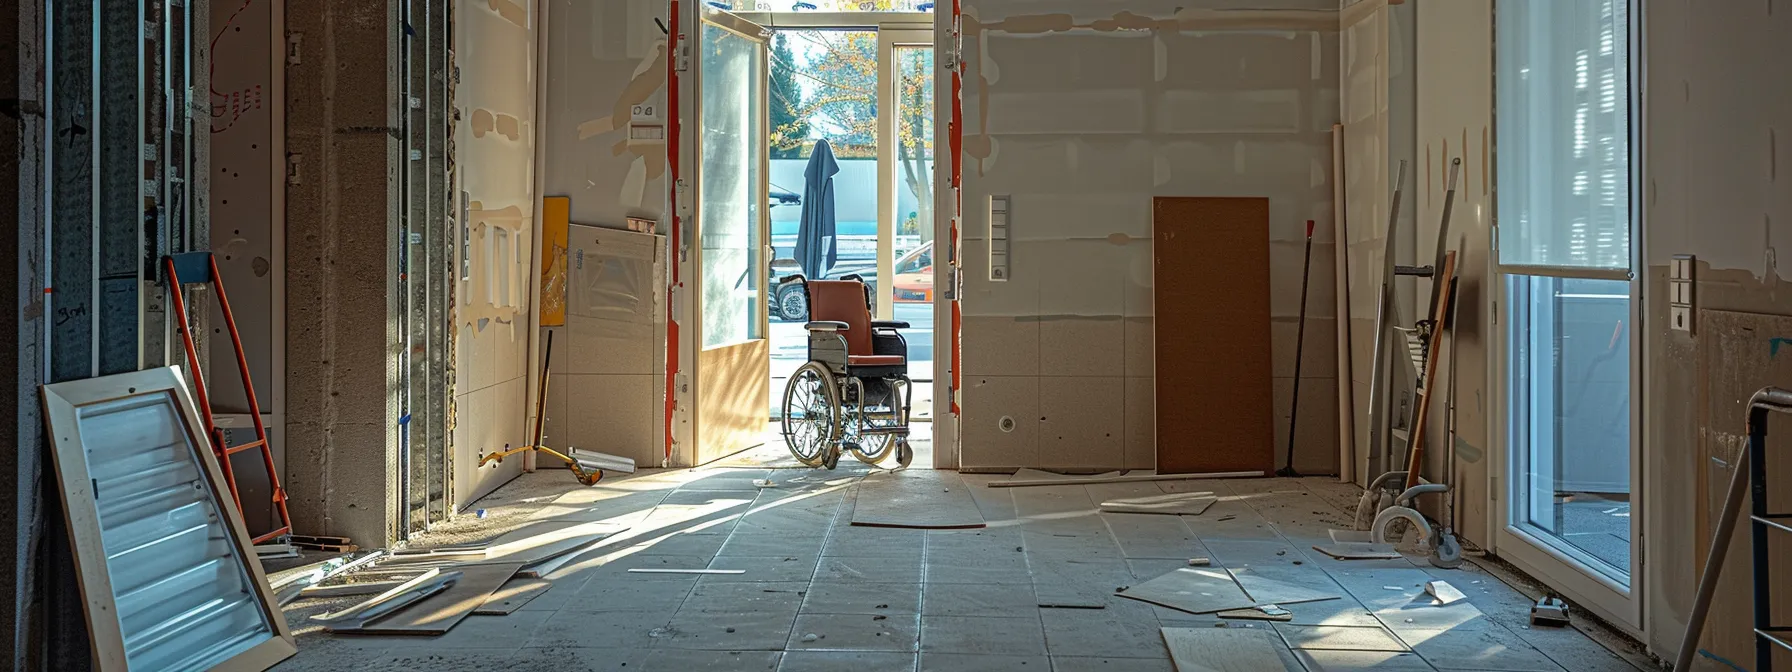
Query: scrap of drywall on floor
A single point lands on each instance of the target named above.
(1081, 121)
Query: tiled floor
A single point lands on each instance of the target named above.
(820, 594)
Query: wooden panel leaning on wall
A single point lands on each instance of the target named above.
(1210, 265)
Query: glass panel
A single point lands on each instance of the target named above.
(1563, 114)
(912, 287)
(183, 593)
(731, 82)
(1570, 414)
(826, 5)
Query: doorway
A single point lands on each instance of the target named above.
(858, 89)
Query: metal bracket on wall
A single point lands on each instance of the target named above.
(293, 42)
(682, 57)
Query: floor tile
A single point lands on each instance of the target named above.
(992, 569)
(847, 661)
(978, 600)
(619, 592)
(855, 632)
(878, 569)
(1099, 664)
(863, 598)
(1486, 649)
(1099, 632)
(748, 631)
(609, 629)
(745, 596)
(1342, 661)
(981, 635)
(1339, 637)
(746, 544)
(768, 567)
(667, 660)
(963, 662)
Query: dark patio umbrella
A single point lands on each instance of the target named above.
(816, 249)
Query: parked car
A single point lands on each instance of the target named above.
(914, 282)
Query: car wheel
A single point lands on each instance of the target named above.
(793, 304)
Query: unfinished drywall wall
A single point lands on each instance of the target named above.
(607, 68)
(1718, 115)
(1084, 111)
(1454, 119)
(1377, 106)
(494, 51)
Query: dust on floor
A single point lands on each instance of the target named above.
(818, 593)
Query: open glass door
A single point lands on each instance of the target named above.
(905, 254)
(1568, 300)
(731, 391)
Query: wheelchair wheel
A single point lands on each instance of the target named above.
(812, 411)
(904, 454)
(872, 448)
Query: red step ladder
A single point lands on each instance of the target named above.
(202, 268)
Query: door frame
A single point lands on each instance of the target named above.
(1568, 570)
(758, 270)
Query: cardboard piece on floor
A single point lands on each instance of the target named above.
(926, 499)
(1180, 504)
(534, 543)
(1265, 590)
(1225, 650)
(349, 589)
(1360, 551)
(512, 596)
(438, 613)
(1257, 614)
(1340, 637)
(1196, 590)
(1135, 476)
(1444, 592)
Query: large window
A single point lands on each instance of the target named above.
(731, 90)
(1564, 116)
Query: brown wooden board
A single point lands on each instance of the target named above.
(1210, 293)
(513, 596)
(438, 613)
(926, 499)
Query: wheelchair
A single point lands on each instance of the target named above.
(853, 394)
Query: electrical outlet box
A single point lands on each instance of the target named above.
(1680, 293)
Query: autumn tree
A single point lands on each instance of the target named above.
(790, 126)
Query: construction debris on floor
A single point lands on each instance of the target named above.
(710, 569)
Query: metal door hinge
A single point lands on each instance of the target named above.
(684, 198)
(681, 58)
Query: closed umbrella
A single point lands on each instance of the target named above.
(816, 249)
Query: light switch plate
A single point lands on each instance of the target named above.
(1000, 218)
(1680, 292)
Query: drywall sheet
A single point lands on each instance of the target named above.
(495, 160)
(606, 69)
(1080, 113)
(247, 113)
(1739, 353)
(926, 499)
(1211, 268)
(1227, 650)
(608, 382)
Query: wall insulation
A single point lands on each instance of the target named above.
(606, 68)
(494, 47)
(1082, 112)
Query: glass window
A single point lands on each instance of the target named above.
(1570, 412)
(1563, 114)
(730, 197)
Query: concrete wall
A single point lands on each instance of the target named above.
(494, 151)
(1082, 112)
(1717, 112)
(341, 112)
(607, 389)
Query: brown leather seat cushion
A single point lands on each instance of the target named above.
(874, 360)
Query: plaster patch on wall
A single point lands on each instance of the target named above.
(511, 12)
(1293, 20)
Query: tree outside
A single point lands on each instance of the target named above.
(830, 86)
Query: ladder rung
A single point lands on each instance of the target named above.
(1774, 521)
(1771, 637)
(247, 446)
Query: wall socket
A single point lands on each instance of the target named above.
(1680, 290)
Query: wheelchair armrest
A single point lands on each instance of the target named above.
(826, 325)
(889, 324)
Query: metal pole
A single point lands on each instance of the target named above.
(1300, 340)
(1384, 313)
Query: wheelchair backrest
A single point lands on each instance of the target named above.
(843, 301)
